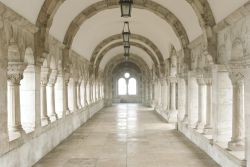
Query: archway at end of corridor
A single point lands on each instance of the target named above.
(126, 84)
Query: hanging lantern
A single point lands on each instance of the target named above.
(126, 32)
(126, 50)
(126, 58)
(126, 7)
(126, 44)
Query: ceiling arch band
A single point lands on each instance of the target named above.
(103, 53)
(141, 38)
(149, 5)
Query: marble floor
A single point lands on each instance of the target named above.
(126, 135)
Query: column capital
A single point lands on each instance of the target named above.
(200, 80)
(66, 78)
(173, 79)
(15, 72)
(45, 72)
(237, 78)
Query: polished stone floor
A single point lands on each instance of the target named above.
(126, 135)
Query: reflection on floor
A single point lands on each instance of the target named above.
(126, 135)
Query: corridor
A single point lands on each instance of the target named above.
(126, 135)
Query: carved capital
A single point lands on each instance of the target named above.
(172, 79)
(201, 80)
(66, 78)
(15, 72)
(237, 78)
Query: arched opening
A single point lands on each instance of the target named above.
(132, 86)
(122, 87)
(28, 90)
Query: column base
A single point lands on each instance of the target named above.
(172, 116)
(199, 126)
(45, 121)
(16, 129)
(67, 112)
(236, 145)
(185, 119)
(208, 130)
(53, 117)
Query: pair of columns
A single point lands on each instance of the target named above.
(204, 105)
(237, 142)
(76, 91)
(205, 114)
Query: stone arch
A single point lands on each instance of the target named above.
(154, 7)
(237, 49)
(102, 54)
(201, 8)
(133, 36)
(133, 58)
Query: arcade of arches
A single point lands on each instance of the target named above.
(61, 61)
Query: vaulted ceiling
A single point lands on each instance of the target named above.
(84, 24)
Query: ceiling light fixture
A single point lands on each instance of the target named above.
(126, 7)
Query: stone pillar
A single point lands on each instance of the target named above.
(79, 83)
(185, 119)
(45, 72)
(59, 94)
(237, 142)
(51, 96)
(201, 103)
(222, 104)
(75, 85)
(172, 115)
(209, 113)
(173, 96)
(85, 94)
(65, 94)
(15, 75)
(164, 94)
(4, 138)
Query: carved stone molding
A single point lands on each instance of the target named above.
(15, 72)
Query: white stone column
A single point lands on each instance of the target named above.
(85, 94)
(201, 103)
(185, 119)
(45, 72)
(237, 142)
(209, 113)
(172, 115)
(15, 75)
(164, 94)
(4, 138)
(65, 94)
(51, 96)
(79, 83)
(173, 95)
(75, 85)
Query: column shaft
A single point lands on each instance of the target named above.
(237, 142)
(209, 113)
(201, 105)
